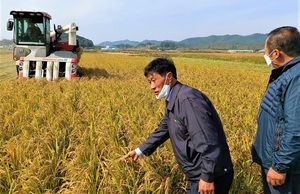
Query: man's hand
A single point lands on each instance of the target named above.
(132, 154)
(206, 187)
(275, 178)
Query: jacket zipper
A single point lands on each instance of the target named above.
(277, 139)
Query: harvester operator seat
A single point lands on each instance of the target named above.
(33, 33)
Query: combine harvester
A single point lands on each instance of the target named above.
(38, 51)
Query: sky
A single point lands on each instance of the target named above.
(138, 20)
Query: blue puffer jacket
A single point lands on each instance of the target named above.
(277, 141)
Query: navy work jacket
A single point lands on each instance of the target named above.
(196, 133)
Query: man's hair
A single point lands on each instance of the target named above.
(286, 39)
(161, 66)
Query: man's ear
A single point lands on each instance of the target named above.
(277, 53)
(169, 77)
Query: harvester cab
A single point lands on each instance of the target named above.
(38, 51)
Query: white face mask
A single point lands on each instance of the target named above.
(164, 91)
(268, 60)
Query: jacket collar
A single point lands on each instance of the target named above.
(279, 71)
(291, 63)
(173, 96)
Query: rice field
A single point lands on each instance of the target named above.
(70, 136)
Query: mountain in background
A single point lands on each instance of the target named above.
(119, 42)
(253, 41)
(226, 39)
(250, 42)
(83, 42)
(6, 42)
(131, 43)
(225, 42)
(155, 42)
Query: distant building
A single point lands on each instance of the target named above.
(240, 51)
(261, 51)
(110, 48)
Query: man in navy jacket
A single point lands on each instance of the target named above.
(194, 128)
(276, 147)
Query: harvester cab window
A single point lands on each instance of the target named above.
(30, 31)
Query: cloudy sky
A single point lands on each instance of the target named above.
(112, 20)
